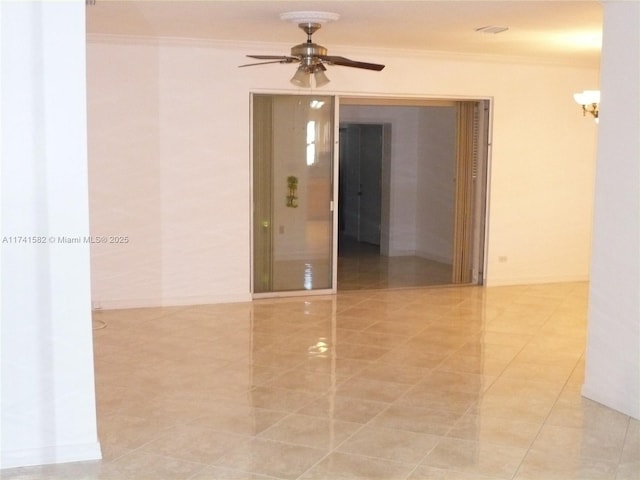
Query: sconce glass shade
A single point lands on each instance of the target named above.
(588, 97)
(320, 78)
(301, 78)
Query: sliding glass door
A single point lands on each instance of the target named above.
(293, 241)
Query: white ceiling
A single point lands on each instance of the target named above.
(550, 30)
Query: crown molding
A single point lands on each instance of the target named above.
(279, 48)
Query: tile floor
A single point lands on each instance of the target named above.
(443, 383)
(361, 267)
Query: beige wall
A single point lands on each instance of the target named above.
(169, 156)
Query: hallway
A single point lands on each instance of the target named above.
(361, 267)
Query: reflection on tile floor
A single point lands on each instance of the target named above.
(361, 267)
(447, 383)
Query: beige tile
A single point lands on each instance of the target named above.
(139, 464)
(363, 309)
(355, 320)
(456, 382)
(502, 431)
(306, 381)
(62, 471)
(266, 457)
(278, 359)
(393, 373)
(193, 443)
(432, 473)
(360, 352)
(476, 364)
(542, 465)
(631, 449)
(239, 418)
(532, 408)
(414, 357)
(127, 432)
(221, 473)
(347, 409)
(513, 340)
(412, 362)
(181, 409)
(426, 397)
(340, 466)
(516, 323)
(396, 328)
(417, 419)
(559, 341)
(599, 442)
(523, 386)
(628, 471)
(538, 372)
(435, 344)
(390, 444)
(494, 351)
(533, 354)
(278, 399)
(375, 390)
(574, 410)
(476, 457)
(333, 366)
(316, 432)
(382, 340)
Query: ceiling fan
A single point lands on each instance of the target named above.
(311, 56)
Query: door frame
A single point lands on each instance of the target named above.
(481, 238)
(333, 202)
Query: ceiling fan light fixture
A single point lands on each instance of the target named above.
(301, 78)
(320, 78)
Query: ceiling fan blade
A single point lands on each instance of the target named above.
(283, 58)
(345, 62)
(263, 63)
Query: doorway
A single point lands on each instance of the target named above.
(360, 182)
(431, 192)
(411, 202)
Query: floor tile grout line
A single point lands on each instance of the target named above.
(546, 418)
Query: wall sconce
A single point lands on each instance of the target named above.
(292, 190)
(589, 100)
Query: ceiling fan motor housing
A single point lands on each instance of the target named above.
(309, 52)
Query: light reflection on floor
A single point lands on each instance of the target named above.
(410, 384)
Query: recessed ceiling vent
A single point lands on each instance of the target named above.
(492, 29)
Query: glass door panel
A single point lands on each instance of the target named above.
(292, 193)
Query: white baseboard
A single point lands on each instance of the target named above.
(619, 401)
(49, 455)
